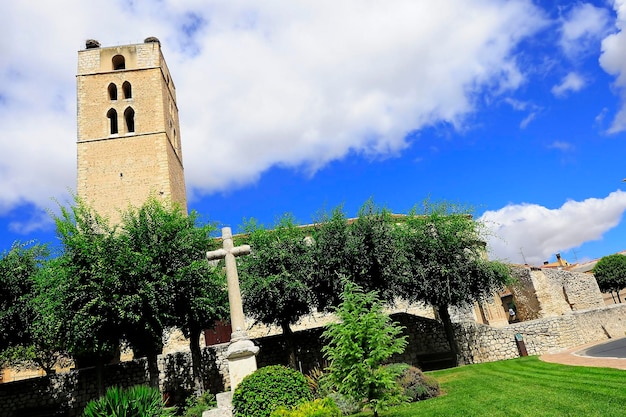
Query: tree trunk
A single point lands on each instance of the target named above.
(46, 362)
(449, 330)
(613, 296)
(196, 361)
(153, 369)
(100, 376)
(618, 297)
(291, 349)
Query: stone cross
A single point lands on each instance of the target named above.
(228, 253)
(241, 351)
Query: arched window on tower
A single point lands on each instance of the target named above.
(127, 89)
(119, 63)
(129, 116)
(112, 92)
(112, 115)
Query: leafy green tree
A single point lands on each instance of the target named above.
(445, 261)
(358, 345)
(610, 272)
(363, 251)
(166, 280)
(18, 267)
(274, 277)
(48, 345)
(329, 238)
(372, 251)
(91, 294)
(134, 280)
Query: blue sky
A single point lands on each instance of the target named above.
(516, 108)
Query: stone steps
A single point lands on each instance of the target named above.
(224, 406)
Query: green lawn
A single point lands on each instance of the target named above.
(522, 387)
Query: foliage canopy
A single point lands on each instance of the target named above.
(610, 272)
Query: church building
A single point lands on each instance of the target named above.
(128, 131)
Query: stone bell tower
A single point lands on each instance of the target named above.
(128, 132)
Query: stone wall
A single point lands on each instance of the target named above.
(579, 290)
(66, 394)
(480, 343)
(425, 337)
(543, 292)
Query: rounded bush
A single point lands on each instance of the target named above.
(269, 388)
(415, 385)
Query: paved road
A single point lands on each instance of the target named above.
(613, 349)
(611, 354)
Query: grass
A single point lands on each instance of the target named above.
(522, 387)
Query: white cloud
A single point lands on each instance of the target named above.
(561, 146)
(613, 61)
(572, 82)
(290, 83)
(541, 232)
(524, 106)
(518, 104)
(36, 220)
(582, 28)
(527, 120)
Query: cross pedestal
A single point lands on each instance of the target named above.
(241, 353)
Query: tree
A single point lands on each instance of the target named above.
(329, 242)
(166, 280)
(91, 294)
(357, 346)
(610, 272)
(445, 262)
(47, 343)
(373, 251)
(275, 275)
(18, 269)
(362, 251)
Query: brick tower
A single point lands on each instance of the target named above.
(128, 132)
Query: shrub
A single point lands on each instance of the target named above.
(268, 388)
(357, 346)
(195, 406)
(346, 405)
(414, 383)
(317, 379)
(317, 408)
(137, 401)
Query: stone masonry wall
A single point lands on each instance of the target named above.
(66, 394)
(526, 301)
(541, 293)
(425, 336)
(480, 343)
(580, 290)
